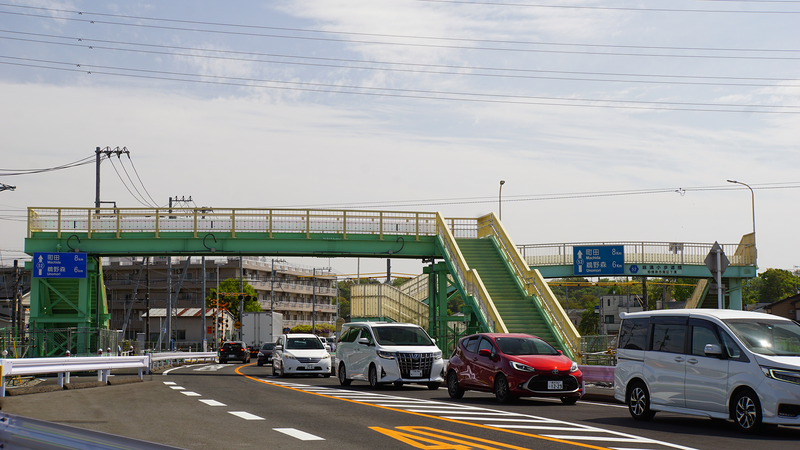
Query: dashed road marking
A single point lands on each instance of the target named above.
(210, 402)
(302, 435)
(245, 415)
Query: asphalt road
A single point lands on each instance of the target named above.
(209, 406)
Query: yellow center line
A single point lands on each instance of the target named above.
(461, 422)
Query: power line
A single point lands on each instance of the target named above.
(539, 197)
(413, 93)
(460, 69)
(391, 36)
(16, 172)
(619, 8)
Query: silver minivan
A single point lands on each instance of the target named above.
(717, 363)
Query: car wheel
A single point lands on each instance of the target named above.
(224, 361)
(326, 375)
(746, 411)
(638, 400)
(274, 374)
(434, 386)
(453, 389)
(259, 363)
(343, 376)
(501, 390)
(373, 376)
(569, 400)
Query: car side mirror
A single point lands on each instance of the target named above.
(485, 352)
(363, 341)
(278, 347)
(712, 350)
(560, 352)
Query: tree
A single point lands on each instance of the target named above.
(776, 285)
(231, 302)
(589, 322)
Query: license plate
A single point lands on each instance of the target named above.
(558, 385)
(415, 373)
(309, 367)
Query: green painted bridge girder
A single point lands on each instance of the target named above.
(686, 271)
(242, 244)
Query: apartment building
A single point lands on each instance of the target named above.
(304, 295)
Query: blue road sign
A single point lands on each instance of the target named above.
(59, 265)
(598, 260)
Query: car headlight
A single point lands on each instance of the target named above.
(386, 355)
(789, 376)
(522, 367)
(573, 367)
(288, 356)
(437, 355)
(260, 354)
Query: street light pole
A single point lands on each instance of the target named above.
(500, 199)
(753, 208)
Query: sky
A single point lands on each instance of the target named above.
(608, 120)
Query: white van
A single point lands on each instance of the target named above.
(382, 353)
(717, 363)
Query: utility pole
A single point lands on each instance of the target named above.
(108, 152)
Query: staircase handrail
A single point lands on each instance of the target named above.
(469, 279)
(533, 281)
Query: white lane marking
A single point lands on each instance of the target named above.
(297, 434)
(191, 394)
(210, 402)
(211, 368)
(170, 383)
(246, 415)
(177, 388)
(489, 417)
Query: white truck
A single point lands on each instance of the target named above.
(259, 328)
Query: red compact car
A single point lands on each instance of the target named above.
(511, 366)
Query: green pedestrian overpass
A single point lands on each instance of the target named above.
(503, 286)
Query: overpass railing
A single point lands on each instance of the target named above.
(742, 254)
(215, 220)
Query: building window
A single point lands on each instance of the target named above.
(609, 319)
(180, 335)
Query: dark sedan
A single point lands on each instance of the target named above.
(265, 353)
(512, 366)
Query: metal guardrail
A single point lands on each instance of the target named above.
(22, 432)
(11, 367)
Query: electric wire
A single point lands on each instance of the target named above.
(155, 203)
(17, 172)
(613, 8)
(126, 184)
(413, 44)
(514, 71)
(417, 93)
(134, 184)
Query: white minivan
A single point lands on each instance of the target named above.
(717, 363)
(388, 352)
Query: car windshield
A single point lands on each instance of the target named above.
(768, 336)
(231, 346)
(524, 346)
(402, 335)
(303, 343)
(268, 346)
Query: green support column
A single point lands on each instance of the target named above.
(441, 297)
(735, 293)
